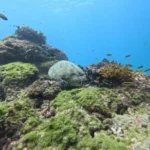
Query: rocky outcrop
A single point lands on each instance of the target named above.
(27, 45)
(13, 49)
(16, 76)
(42, 90)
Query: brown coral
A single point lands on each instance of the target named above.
(30, 34)
(116, 72)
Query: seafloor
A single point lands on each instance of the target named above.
(105, 106)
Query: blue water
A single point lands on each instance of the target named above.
(86, 29)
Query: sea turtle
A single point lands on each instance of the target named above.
(67, 72)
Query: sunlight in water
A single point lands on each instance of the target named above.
(65, 5)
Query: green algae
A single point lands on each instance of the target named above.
(4, 106)
(101, 141)
(88, 98)
(99, 100)
(74, 126)
(110, 143)
(31, 123)
(17, 71)
(60, 130)
(16, 117)
(17, 105)
(14, 114)
(137, 132)
(62, 125)
(139, 98)
(94, 100)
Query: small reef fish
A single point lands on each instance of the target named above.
(147, 70)
(109, 54)
(140, 67)
(127, 56)
(128, 84)
(128, 65)
(3, 17)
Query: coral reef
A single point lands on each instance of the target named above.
(27, 33)
(93, 74)
(116, 72)
(110, 110)
(108, 74)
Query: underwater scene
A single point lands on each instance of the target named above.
(75, 75)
